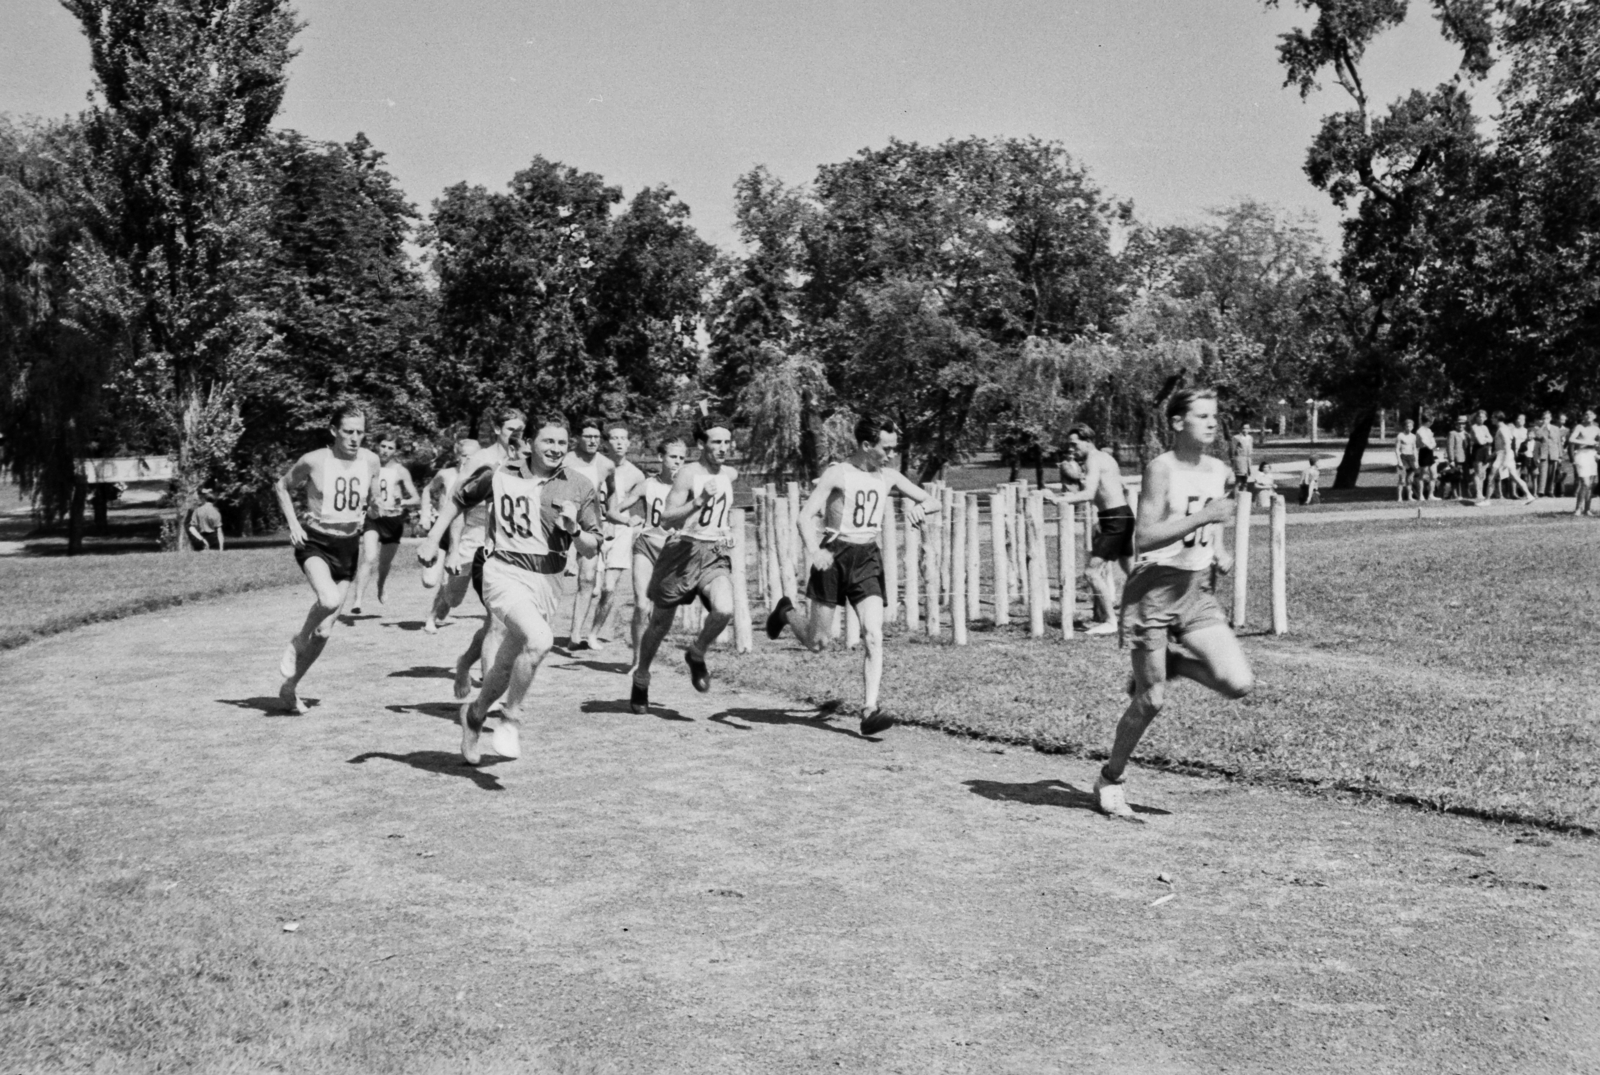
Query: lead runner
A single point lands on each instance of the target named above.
(537, 510)
(1183, 507)
(847, 556)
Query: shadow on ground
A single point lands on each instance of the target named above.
(437, 761)
(1046, 793)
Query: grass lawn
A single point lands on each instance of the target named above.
(1441, 662)
(47, 595)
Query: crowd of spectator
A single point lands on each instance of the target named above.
(1489, 456)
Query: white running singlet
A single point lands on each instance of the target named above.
(860, 512)
(710, 522)
(653, 504)
(475, 521)
(518, 527)
(1189, 491)
(390, 489)
(336, 500)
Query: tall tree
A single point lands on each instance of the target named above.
(1408, 178)
(185, 93)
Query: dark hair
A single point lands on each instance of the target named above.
(870, 427)
(669, 441)
(597, 423)
(1498, 416)
(1184, 398)
(545, 419)
(343, 411)
(508, 414)
(387, 435)
(1083, 431)
(706, 423)
(611, 427)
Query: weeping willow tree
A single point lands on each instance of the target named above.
(780, 406)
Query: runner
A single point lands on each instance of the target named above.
(338, 481)
(587, 461)
(1183, 508)
(380, 536)
(640, 502)
(616, 554)
(434, 496)
(694, 561)
(1504, 468)
(1581, 444)
(468, 554)
(847, 556)
(537, 509)
(1113, 537)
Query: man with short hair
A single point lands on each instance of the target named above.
(694, 562)
(1405, 462)
(1479, 444)
(1241, 447)
(1582, 443)
(1113, 537)
(538, 510)
(1427, 458)
(205, 524)
(1552, 455)
(588, 461)
(846, 554)
(339, 482)
(639, 502)
(1458, 457)
(385, 525)
(616, 551)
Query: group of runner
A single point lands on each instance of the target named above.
(517, 515)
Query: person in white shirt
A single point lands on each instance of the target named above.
(1427, 459)
(1581, 443)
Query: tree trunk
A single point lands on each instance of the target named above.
(80, 494)
(102, 498)
(1354, 449)
(1038, 467)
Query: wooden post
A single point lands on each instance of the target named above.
(957, 510)
(912, 566)
(1067, 562)
(1280, 566)
(785, 548)
(1038, 573)
(801, 556)
(1241, 557)
(742, 635)
(947, 530)
(1017, 531)
(974, 559)
(763, 579)
(891, 564)
(1002, 574)
(769, 498)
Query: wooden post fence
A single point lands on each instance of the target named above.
(1280, 566)
(742, 634)
(997, 536)
(1241, 557)
(1067, 562)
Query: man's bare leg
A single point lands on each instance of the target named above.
(386, 555)
(601, 631)
(582, 601)
(1105, 591)
(814, 627)
(452, 589)
(642, 569)
(661, 617)
(308, 642)
(364, 569)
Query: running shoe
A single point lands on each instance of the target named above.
(289, 695)
(1106, 627)
(469, 735)
(875, 721)
(639, 700)
(699, 674)
(778, 617)
(429, 627)
(1109, 800)
(506, 739)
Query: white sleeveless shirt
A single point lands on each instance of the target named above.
(390, 489)
(711, 522)
(865, 497)
(1189, 491)
(653, 504)
(336, 502)
(475, 521)
(518, 528)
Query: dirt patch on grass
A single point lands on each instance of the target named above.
(727, 885)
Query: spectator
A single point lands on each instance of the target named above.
(1504, 468)
(1310, 482)
(1240, 448)
(1405, 462)
(1480, 444)
(1581, 443)
(1527, 453)
(1552, 455)
(205, 524)
(1457, 456)
(1427, 458)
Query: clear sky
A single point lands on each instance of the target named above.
(1177, 104)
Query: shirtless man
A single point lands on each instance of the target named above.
(469, 552)
(694, 562)
(1113, 537)
(537, 511)
(616, 552)
(846, 553)
(1406, 462)
(338, 482)
(1582, 443)
(1183, 507)
(639, 503)
(434, 497)
(380, 536)
(587, 461)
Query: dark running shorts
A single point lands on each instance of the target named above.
(685, 569)
(1480, 454)
(1113, 538)
(387, 527)
(1161, 603)
(1425, 457)
(339, 551)
(856, 574)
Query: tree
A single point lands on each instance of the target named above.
(186, 91)
(1409, 178)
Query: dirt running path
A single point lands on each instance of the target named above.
(729, 885)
